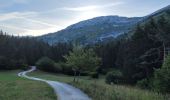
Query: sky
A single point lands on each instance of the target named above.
(38, 17)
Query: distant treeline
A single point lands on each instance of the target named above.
(17, 52)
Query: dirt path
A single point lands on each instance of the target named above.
(63, 91)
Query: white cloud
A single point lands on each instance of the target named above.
(12, 15)
(15, 30)
(92, 7)
(24, 16)
(25, 23)
(40, 31)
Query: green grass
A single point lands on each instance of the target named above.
(61, 77)
(13, 87)
(98, 90)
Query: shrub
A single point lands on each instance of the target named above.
(144, 84)
(46, 64)
(114, 77)
(58, 68)
(22, 64)
(65, 68)
(85, 73)
(104, 71)
(94, 75)
(24, 67)
(161, 80)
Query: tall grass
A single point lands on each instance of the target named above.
(116, 92)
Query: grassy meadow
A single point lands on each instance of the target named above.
(98, 90)
(13, 87)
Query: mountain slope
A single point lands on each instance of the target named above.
(93, 30)
(99, 28)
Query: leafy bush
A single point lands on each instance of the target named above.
(162, 77)
(47, 64)
(85, 73)
(65, 68)
(114, 77)
(144, 84)
(104, 71)
(94, 75)
(58, 68)
(22, 65)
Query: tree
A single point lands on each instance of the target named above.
(159, 31)
(82, 60)
(162, 77)
(114, 76)
(47, 64)
(129, 53)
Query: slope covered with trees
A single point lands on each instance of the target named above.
(138, 54)
(16, 52)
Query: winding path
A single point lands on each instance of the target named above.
(62, 90)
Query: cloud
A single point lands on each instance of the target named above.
(40, 22)
(92, 7)
(12, 15)
(24, 32)
(25, 23)
(16, 28)
(24, 16)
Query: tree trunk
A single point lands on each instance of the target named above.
(164, 50)
(95, 85)
(147, 73)
(78, 77)
(74, 76)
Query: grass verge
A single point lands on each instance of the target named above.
(116, 92)
(13, 87)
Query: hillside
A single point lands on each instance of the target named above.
(98, 29)
(93, 30)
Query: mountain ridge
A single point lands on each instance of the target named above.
(97, 29)
(93, 30)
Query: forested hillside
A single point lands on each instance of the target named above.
(93, 30)
(19, 52)
(139, 55)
